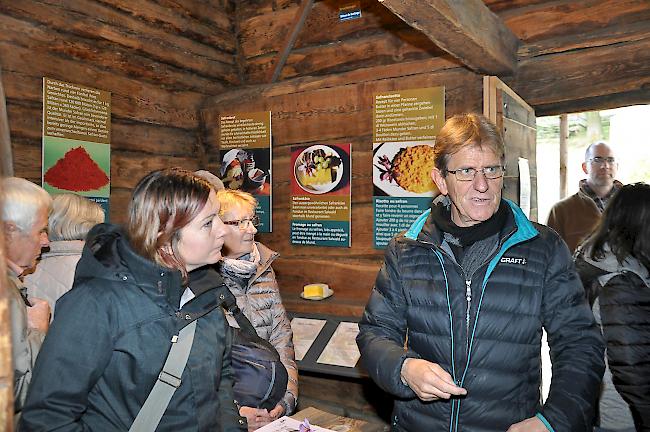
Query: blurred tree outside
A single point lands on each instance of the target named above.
(626, 130)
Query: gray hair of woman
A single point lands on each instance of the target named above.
(72, 217)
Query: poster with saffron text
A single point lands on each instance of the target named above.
(76, 141)
(405, 124)
(245, 155)
(320, 195)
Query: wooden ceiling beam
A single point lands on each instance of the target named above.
(466, 29)
(287, 46)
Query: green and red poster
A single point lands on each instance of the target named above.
(76, 141)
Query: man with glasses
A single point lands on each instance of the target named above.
(454, 323)
(575, 217)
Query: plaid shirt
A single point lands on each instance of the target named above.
(601, 203)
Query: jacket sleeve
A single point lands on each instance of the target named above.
(74, 355)
(383, 327)
(282, 341)
(26, 343)
(625, 312)
(576, 346)
(228, 415)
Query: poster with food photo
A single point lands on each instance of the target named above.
(405, 125)
(402, 185)
(76, 141)
(245, 154)
(320, 195)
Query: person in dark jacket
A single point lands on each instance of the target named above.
(614, 264)
(130, 298)
(453, 326)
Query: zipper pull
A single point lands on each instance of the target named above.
(468, 290)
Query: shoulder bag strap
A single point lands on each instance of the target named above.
(230, 304)
(168, 381)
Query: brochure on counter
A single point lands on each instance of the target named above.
(287, 424)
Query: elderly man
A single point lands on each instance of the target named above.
(575, 217)
(454, 323)
(25, 208)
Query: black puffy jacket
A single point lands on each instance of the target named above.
(530, 283)
(623, 290)
(109, 340)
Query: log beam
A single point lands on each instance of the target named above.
(584, 80)
(467, 30)
(300, 18)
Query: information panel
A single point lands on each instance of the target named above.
(405, 124)
(245, 154)
(76, 141)
(320, 195)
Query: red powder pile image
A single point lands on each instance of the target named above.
(76, 171)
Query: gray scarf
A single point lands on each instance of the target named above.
(240, 270)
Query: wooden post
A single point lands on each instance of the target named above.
(6, 158)
(6, 363)
(564, 155)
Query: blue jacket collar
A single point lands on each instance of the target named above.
(525, 229)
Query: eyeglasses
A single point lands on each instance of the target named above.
(601, 161)
(243, 223)
(468, 174)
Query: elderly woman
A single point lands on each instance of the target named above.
(246, 270)
(71, 218)
(135, 292)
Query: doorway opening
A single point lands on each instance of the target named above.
(626, 130)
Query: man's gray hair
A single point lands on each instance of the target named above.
(72, 217)
(21, 202)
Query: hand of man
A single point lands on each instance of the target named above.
(256, 417)
(38, 314)
(428, 380)
(532, 424)
(276, 412)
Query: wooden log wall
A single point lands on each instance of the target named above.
(159, 59)
(574, 56)
(325, 45)
(579, 56)
(335, 109)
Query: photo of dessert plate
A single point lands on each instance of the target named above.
(313, 179)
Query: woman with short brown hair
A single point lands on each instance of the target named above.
(113, 331)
